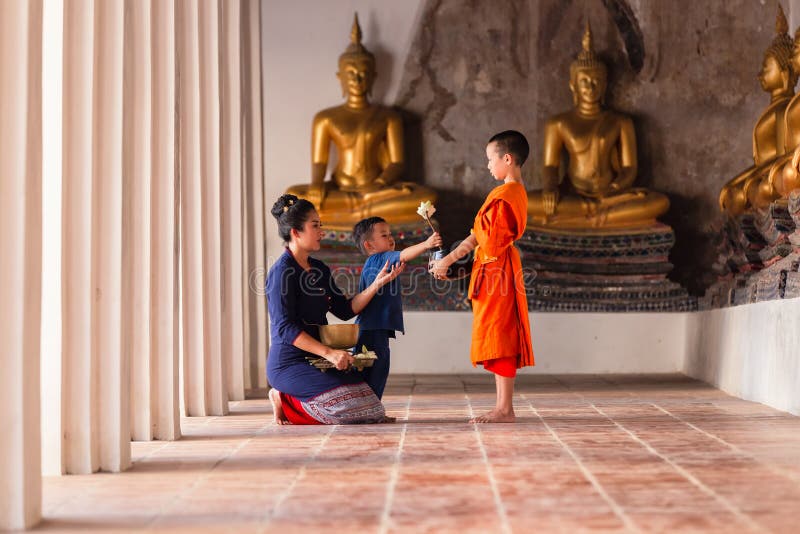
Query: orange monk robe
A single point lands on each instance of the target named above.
(500, 328)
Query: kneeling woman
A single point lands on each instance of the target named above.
(300, 292)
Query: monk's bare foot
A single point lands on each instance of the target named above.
(388, 419)
(495, 416)
(277, 407)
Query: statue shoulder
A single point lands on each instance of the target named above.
(387, 112)
(560, 118)
(326, 114)
(560, 121)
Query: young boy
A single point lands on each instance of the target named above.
(501, 334)
(383, 316)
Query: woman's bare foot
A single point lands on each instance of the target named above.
(495, 416)
(277, 407)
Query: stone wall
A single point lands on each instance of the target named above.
(685, 70)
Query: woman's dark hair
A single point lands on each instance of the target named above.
(291, 213)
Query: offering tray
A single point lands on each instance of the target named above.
(363, 359)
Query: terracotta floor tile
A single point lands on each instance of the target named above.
(589, 453)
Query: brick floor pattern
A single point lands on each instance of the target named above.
(589, 453)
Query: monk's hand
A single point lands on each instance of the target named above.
(434, 240)
(341, 359)
(549, 201)
(387, 275)
(439, 267)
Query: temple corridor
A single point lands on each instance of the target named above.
(589, 453)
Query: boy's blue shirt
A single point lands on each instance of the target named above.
(385, 310)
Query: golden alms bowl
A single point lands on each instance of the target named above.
(339, 336)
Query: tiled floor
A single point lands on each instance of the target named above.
(588, 454)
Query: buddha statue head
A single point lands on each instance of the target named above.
(588, 75)
(356, 66)
(777, 75)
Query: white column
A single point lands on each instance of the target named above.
(251, 92)
(194, 365)
(51, 350)
(136, 215)
(164, 226)
(112, 364)
(20, 268)
(231, 206)
(80, 406)
(208, 27)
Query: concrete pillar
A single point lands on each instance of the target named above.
(194, 353)
(52, 225)
(208, 29)
(136, 159)
(112, 364)
(80, 406)
(257, 344)
(231, 194)
(164, 300)
(20, 268)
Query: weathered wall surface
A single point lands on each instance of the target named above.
(685, 70)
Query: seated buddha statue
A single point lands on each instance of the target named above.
(596, 191)
(751, 187)
(365, 181)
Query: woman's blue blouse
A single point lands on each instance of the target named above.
(298, 301)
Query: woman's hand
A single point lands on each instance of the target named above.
(341, 359)
(439, 267)
(386, 275)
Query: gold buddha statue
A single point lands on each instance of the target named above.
(784, 174)
(369, 145)
(597, 190)
(771, 135)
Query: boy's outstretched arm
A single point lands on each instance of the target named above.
(414, 251)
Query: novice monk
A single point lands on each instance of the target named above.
(383, 316)
(501, 335)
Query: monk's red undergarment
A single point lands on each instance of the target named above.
(506, 367)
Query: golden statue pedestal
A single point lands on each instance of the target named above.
(612, 270)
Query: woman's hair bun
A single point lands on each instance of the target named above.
(283, 204)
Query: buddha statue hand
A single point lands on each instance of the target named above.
(549, 201)
(590, 206)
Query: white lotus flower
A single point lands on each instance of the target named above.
(426, 209)
(366, 354)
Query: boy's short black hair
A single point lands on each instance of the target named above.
(514, 143)
(363, 230)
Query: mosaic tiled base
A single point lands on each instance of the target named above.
(794, 207)
(602, 271)
(758, 257)
(780, 280)
(421, 292)
(775, 225)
